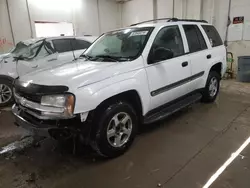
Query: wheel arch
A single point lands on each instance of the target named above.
(131, 96)
(217, 67)
(5, 77)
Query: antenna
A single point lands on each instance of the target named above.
(72, 48)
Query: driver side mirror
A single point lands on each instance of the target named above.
(17, 58)
(160, 54)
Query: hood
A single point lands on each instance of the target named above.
(4, 55)
(73, 74)
(7, 57)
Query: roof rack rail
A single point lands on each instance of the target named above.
(186, 20)
(170, 20)
(159, 19)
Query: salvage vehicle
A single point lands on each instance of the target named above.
(36, 54)
(128, 77)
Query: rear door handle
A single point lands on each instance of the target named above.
(184, 64)
(52, 59)
(209, 56)
(35, 66)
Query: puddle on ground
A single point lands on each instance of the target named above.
(17, 146)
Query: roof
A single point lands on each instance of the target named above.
(88, 38)
(162, 22)
(169, 20)
(158, 24)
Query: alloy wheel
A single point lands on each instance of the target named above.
(5, 93)
(119, 129)
(213, 87)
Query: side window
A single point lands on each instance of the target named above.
(81, 44)
(169, 38)
(63, 45)
(213, 35)
(196, 41)
(45, 50)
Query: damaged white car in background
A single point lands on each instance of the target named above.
(34, 54)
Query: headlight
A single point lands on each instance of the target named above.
(54, 100)
(64, 102)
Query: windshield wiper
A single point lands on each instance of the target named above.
(112, 58)
(85, 56)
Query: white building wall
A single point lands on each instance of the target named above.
(193, 9)
(136, 11)
(6, 40)
(165, 8)
(19, 20)
(109, 15)
(240, 48)
(87, 17)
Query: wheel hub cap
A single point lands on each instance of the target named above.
(5, 93)
(213, 87)
(119, 129)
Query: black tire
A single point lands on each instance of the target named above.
(8, 83)
(100, 142)
(207, 96)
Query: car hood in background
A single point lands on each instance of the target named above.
(4, 55)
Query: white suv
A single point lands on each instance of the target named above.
(127, 77)
(36, 54)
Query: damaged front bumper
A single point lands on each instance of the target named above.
(58, 129)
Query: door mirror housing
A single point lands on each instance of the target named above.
(17, 58)
(160, 54)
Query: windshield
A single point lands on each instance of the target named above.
(120, 45)
(36, 50)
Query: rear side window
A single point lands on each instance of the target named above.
(213, 35)
(196, 41)
(63, 45)
(81, 44)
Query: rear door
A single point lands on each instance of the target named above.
(217, 48)
(168, 78)
(198, 54)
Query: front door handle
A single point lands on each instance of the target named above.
(209, 56)
(184, 64)
(35, 66)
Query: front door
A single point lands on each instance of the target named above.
(168, 79)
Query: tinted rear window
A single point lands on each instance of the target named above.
(63, 45)
(213, 35)
(81, 44)
(195, 38)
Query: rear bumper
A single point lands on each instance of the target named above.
(40, 130)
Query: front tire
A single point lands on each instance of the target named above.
(6, 94)
(115, 129)
(211, 90)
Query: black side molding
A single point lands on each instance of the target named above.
(176, 84)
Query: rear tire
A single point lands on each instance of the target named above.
(6, 92)
(212, 87)
(115, 129)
